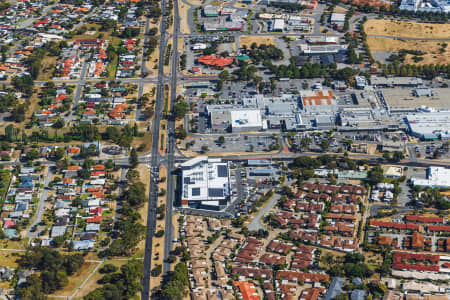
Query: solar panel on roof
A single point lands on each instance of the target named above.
(222, 171)
(195, 191)
(215, 192)
(187, 180)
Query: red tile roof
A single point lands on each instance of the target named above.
(299, 276)
(247, 289)
(438, 227)
(94, 219)
(376, 223)
(421, 219)
(217, 61)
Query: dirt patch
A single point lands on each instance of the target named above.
(183, 12)
(152, 62)
(240, 5)
(340, 10)
(194, 2)
(407, 29)
(158, 242)
(144, 176)
(145, 140)
(48, 65)
(248, 40)
(77, 279)
(9, 258)
(92, 283)
(432, 49)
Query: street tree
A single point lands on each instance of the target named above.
(133, 159)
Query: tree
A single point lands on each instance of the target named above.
(133, 159)
(180, 109)
(304, 143)
(221, 139)
(375, 175)
(135, 194)
(59, 153)
(58, 241)
(324, 145)
(32, 154)
(205, 149)
(180, 133)
(132, 175)
(175, 287)
(108, 268)
(224, 75)
(157, 270)
(59, 123)
(342, 296)
(32, 289)
(53, 268)
(398, 156)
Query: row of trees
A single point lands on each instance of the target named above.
(176, 286)
(427, 71)
(130, 230)
(83, 132)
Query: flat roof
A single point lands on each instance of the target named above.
(380, 80)
(317, 98)
(404, 98)
(205, 179)
(278, 24)
(337, 17)
(246, 118)
(427, 124)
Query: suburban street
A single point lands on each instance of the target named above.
(41, 206)
(155, 159)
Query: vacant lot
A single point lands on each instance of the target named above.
(77, 279)
(183, 11)
(249, 40)
(407, 29)
(432, 49)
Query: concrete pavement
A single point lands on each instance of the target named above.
(256, 224)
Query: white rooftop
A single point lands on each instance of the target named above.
(436, 177)
(205, 179)
(246, 118)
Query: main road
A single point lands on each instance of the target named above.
(155, 157)
(171, 143)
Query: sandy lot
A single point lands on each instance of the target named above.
(430, 47)
(407, 29)
(183, 12)
(339, 9)
(92, 283)
(153, 61)
(77, 279)
(248, 40)
(195, 2)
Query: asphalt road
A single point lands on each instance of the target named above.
(41, 206)
(171, 147)
(155, 159)
(80, 85)
(256, 224)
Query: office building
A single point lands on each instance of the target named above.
(205, 183)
